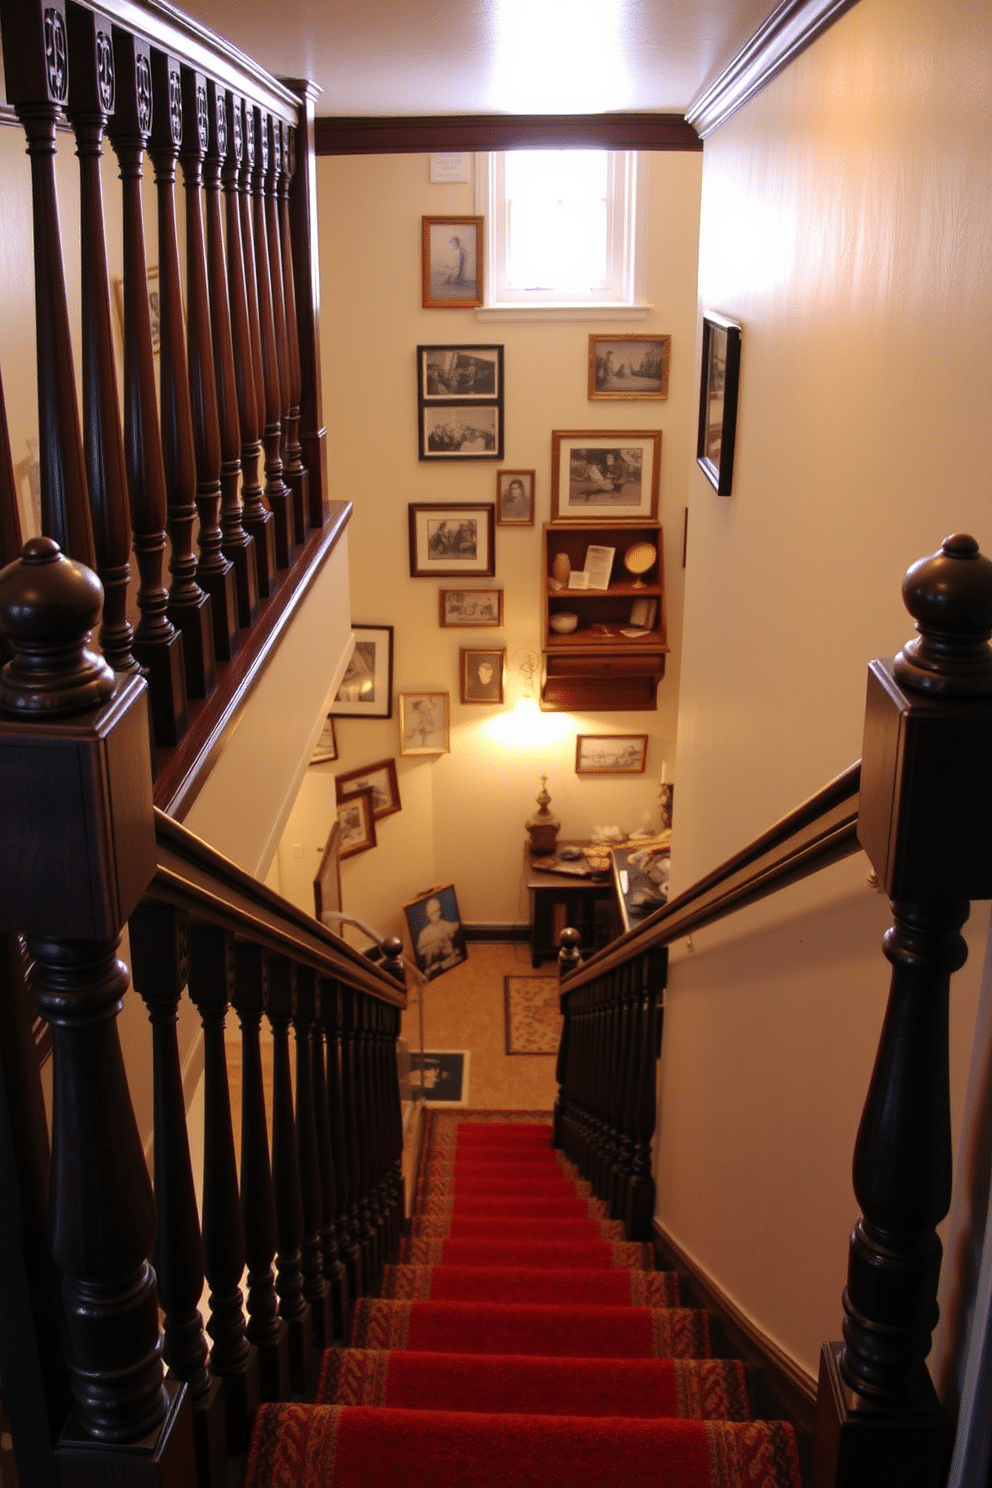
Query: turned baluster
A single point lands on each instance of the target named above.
(238, 545)
(925, 822)
(394, 1127)
(306, 283)
(361, 1281)
(94, 870)
(266, 1329)
(365, 1132)
(293, 1305)
(315, 1288)
(157, 644)
(236, 177)
(624, 1087)
(334, 1274)
(35, 52)
(10, 520)
(213, 571)
(91, 100)
(189, 607)
(271, 190)
(653, 969)
(295, 471)
(277, 493)
(332, 1014)
(232, 1358)
(159, 939)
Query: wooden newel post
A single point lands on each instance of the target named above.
(925, 823)
(77, 827)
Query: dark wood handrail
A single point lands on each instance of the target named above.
(820, 831)
(193, 876)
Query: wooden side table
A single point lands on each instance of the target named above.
(559, 900)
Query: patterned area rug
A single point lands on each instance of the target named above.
(533, 1021)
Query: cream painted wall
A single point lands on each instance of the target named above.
(845, 223)
(463, 814)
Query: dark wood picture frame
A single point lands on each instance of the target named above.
(452, 259)
(487, 690)
(432, 558)
(436, 934)
(326, 748)
(512, 510)
(385, 790)
(719, 385)
(358, 835)
(581, 485)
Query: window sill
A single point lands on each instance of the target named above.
(563, 312)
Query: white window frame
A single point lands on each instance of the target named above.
(627, 239)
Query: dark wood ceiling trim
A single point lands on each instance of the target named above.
(790, 29)
(422, 136)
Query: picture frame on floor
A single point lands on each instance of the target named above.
(441, 1075)
(436, 934)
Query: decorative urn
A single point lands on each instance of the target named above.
(543, 826)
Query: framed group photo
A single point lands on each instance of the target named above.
(515, 498)
(452, 262)
(448, 541)
(719, 380)
(605, 474)
(629, 368)
(483, 674)
(366, 689)
(425, 723)
(446, 372)
(460, 402)
(459, 608)
(380, 779)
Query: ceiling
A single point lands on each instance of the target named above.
(424, 57)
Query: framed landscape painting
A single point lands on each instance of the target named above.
(605, 474)
(610, 754)
(446, 372)
(629, 368)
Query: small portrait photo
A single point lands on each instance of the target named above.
(461, 431)
(356, 824)
(424, 723)
(452, 262)
(436, 932)
(515, 498)
(483, 675)
(629, 368)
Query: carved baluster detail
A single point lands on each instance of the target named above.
(246, 337)
(238, 545)
(266, 1329)
(213, 571)
(295, 471)
(306, 282)
(640, 1187)
(277, 493)
(189, 606)
(91, 100)
(363, 1226)
(315, 1288)
(157, 644)
(332, 1014)
(272, 188)
(323, 1050)
(10, 520)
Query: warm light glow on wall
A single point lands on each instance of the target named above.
(543, 46)
(524, 726)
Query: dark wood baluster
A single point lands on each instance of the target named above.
(236, 177)
(272, 187)
(10, 518)
(238, 545)
(332, 1016)
(640, 1187)
(334, 1273)
(157, 644)
(925, 822)
(159, 939)
(296, 473)
(394, 1130)
(189, 606)
(266, 1329)
(91, 100)
(35, 52)
(315, 1288)
(277, 493)
(306, 282)
(569, 956)
(352, 1248)
(232, 1358)
(378, 1205)
(365, 1234)
(213, 571)
(100, 1186)
(624, 1088)
(293, 1305)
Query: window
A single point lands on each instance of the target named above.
(565, 230)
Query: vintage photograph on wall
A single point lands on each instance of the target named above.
(444, 1075)
(483, 675)
(380, 779)
(446, 372)
(356, 823)
(515, 498)
(452, 262)
(327, 884)
(366, 689)
(605, 474)
(458, 608)
(449, 541)
(425, 723)
(610, 754)
(629, 368)
(719, 378)
(461, 431)
(326, 747)
(436, 932)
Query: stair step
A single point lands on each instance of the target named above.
(515, 1227)
(587, 1254)
(559, 1285)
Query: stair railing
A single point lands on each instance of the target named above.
(313, 1208)
(919, 804)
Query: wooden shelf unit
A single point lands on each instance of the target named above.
(595, 668)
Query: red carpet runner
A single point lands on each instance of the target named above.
(522, 1343)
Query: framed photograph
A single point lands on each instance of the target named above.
(436, 932)
(326, 747)
(469, 372)
(459, 608)
(610, 754)
(719, 379)
(611, 474)
(461, 431)
(356, 824)
(425, 723)
(327, 884)
(450, 542)
(483, 675)
(366, 689)
(441, 1076)
(452, 262)
(629, 367)
(515, 498)
(380, 779)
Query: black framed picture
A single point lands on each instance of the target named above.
(436, 932)
(718, 387)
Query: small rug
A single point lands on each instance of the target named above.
(533, 1020)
